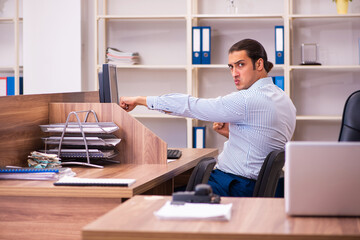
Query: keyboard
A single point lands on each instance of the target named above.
(173, 153)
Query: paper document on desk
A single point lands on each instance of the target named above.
(203, 211)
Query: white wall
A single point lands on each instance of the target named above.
(52, 46)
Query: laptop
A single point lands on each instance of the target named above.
(322, 178)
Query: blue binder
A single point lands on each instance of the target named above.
(279, 44)
(196, 45)
(279, 81)
(198, 137)
(10, 82)
(21, 85)
(206, 45)
(10, 88)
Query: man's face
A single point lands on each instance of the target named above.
(242, 69)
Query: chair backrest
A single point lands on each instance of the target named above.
(201, 173)
(350, 125)
(269, 175)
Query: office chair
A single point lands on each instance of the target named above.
(350, 125)
(269, 175)
(201, 173)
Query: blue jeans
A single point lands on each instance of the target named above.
(227, 184)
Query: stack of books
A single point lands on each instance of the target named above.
(118, 57)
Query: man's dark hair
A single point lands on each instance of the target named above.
(254, 50)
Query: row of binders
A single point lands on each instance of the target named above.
(7, 86)
(201, 45)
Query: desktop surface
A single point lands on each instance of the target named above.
(147, 177)
(39, 210)
(252, 218)
(49, 218)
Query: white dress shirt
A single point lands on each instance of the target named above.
(261, 119)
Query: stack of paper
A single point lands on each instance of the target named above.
(119, 57)
(43, 160)
(205, 211)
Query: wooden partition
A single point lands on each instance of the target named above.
(20, 117)
(138, 145)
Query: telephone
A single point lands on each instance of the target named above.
(202, 194)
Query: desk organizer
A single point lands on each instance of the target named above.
(76, 137)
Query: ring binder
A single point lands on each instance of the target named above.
(199, 137)
(206, 45)
(28, 170)
(279, 44)
(196, 47)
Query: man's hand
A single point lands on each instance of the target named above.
(221, 128)
(129, 103)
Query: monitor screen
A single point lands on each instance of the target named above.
(108, 89)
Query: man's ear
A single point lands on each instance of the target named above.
(260, 64)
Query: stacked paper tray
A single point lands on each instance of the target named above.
(81, 153)
(100, 127)
(79, 141)
(82, 141)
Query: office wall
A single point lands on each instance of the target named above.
(52, 46)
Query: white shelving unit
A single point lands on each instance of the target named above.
(320, 92)
(161, 32)
(10, 43)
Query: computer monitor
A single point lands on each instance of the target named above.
(108, 89)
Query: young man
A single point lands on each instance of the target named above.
(257, 119)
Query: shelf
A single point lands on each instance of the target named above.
(319, 118)
(139, 17)
(218, 66)
(7, 19)
(237, 16)
(139, 66)
(224, 66)
(152, 66)
(349, 15)
(325, 67)
(10, 19)
(6, 68)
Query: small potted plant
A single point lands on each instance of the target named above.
(342, 6)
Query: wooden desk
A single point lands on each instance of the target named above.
(39, 210)
(44, 218)
(252, 218)
(150, 178)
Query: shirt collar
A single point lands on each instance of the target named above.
(261, 82)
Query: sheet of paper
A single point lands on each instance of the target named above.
(204, 211)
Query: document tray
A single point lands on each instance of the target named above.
(87, 127)
(81, 153)
(79, 141)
